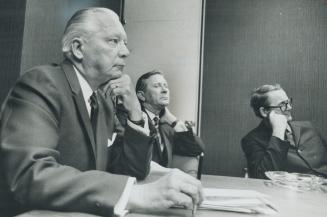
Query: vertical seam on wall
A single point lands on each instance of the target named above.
(201, 70)
(22, 41)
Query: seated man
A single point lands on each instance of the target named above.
(58, 125)
(279, 143)
(170, 135)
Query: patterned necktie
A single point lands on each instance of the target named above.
(94, 112)
(156, 122)
(157, 150)
(156, 125)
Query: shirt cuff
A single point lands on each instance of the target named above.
(145, 129)
(119, 209)
(155, 167)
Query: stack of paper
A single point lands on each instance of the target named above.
(246, 201)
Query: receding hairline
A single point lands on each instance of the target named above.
(92, 19)
(86, 22)
(141, 81)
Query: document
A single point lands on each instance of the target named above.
(234, 200)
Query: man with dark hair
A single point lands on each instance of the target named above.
(171, 136)
(61, 141)
(279, 143)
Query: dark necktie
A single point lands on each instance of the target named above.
(156, 126)
(156, 148)
(102, 121)
(156, 122)
(94, 113)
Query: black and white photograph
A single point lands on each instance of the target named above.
(175, 108)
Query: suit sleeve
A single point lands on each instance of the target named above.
(131, 151)
(187, 144)
(264, 157)
(29, 137)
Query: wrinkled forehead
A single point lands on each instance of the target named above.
(157, 78)
(275, 97)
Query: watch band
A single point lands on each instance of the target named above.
(174, 123)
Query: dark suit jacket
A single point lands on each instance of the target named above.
(49, 159)
(178, 143)
(265, 152)
(175, 143)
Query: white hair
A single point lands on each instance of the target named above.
(80, 26)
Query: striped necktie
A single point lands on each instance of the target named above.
(94, 112)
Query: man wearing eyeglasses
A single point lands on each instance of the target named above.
(279, 143)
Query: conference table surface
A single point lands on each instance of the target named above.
(289, 203)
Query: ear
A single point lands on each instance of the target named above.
(263, 112)
(77, 48)
(140, 95)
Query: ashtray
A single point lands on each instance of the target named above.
(296, 181)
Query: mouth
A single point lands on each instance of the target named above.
(164, 98)
(119, 66)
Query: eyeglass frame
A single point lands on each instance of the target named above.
(283, 106)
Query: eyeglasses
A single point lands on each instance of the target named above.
(283, 106)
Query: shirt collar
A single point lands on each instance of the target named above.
(151, 115)
(85, 87)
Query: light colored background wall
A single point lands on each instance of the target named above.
(166, 35)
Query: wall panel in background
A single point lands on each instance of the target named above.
(12, 14)
(166, 35)
(250, 43)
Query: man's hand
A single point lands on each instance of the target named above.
(278, 124)
(167, 117)
(123, 89)
(174, 189)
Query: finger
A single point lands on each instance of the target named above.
(114, 85)
(192, 191)
(117, 91)
(106, 86)
(179, 198)
(187, 184)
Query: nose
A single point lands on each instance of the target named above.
(123, 50)
(289, 106)
(164, 89)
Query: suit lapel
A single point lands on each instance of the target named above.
(79, 101)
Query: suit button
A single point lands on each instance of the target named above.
(314, 156)
(98, 204)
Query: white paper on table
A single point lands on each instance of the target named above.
(246, 201)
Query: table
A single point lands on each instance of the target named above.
(289, 203)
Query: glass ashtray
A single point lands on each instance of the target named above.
(296, 181)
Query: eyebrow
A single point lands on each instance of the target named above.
(284, 102)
